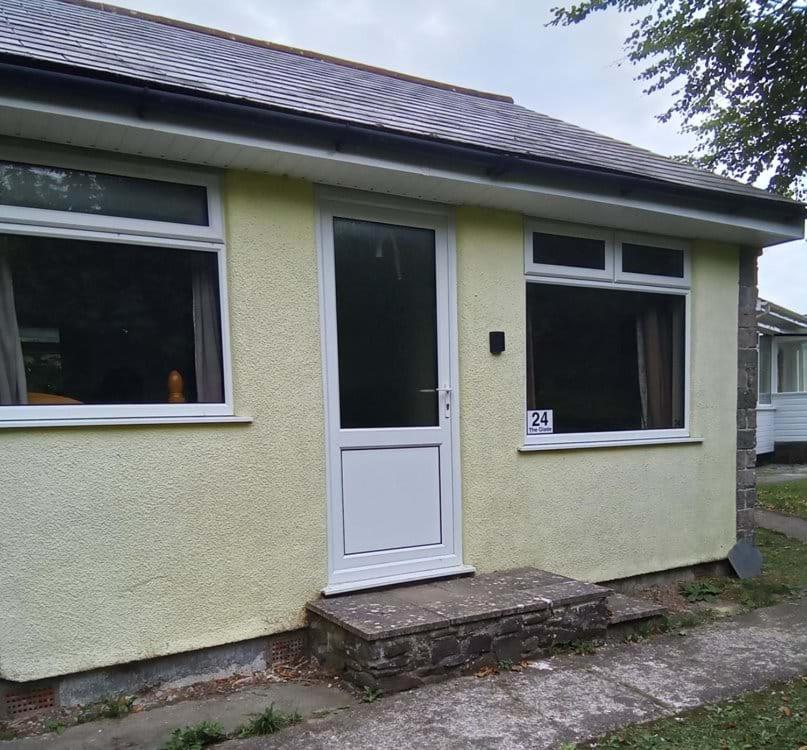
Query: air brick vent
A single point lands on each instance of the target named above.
(29, 701)
(287, 650)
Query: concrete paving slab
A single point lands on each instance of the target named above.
(780, 473)
(570, 698)
(791, 526)
(148, 730)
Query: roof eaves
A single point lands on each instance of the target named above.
(504, 158)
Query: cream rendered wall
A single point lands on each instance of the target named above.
(595, 513)
(121, 543)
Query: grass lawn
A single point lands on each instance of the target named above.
(784, 572)
(790, 497)
(775, 718)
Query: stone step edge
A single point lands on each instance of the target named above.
(597, 593)
(642, 610)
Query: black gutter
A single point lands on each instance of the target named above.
(146, 99)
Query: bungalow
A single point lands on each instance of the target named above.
(782, 402)
(275, 325)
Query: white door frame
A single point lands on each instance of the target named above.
(328, 201)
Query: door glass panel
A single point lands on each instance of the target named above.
(386, 313)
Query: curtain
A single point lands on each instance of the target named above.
(207, 333)
(13, 390)
(655, 355)
(531, 394)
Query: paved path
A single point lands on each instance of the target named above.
(779, 473)
(570, 698)
(795, 528)
(149, 730)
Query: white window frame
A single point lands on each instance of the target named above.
(109, 229)
(616, 437)
(651, 240)
(568, 230)
(760, 338)
(775, 364)
(94, 162)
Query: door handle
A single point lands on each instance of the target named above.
(446, 389)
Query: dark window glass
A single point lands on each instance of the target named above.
(604, 359)
(106, 323)
(386, 312)
(83, 192)
(653, 261)
(558, 250)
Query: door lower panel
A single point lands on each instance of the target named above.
(391, 499)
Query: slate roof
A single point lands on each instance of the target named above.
(94, 40)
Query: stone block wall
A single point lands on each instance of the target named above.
(747, 346)
(407, 661)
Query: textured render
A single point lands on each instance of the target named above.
(124, 543)
(127, 543)
(597, 513)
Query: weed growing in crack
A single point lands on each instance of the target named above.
(268, 721)
(371, 694)
(196, 737)
(54, 725)
(113, 707)
(701, 591)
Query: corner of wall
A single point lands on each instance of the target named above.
(747, 393)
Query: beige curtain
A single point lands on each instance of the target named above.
(654, 347)
(13, 390)
(207, 336)
(531, 395)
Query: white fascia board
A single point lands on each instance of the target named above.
(183, 142)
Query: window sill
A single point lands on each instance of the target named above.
(122, 421)
(608, 444)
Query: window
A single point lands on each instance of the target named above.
(663, 261)
(652, 261)
(791, 366)
(555, 248)
(86, 192)
(606, 358)
(95, 327)
(764, 374)
(75, 190)
(572, 252)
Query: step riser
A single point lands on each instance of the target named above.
(407, 661)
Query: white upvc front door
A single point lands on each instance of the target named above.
(389, 323)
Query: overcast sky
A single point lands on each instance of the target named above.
(495, 45)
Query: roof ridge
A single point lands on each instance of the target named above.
(298, 51)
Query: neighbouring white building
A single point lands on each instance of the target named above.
(782, 407)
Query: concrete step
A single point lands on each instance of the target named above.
(399, 638)
(628, 614)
